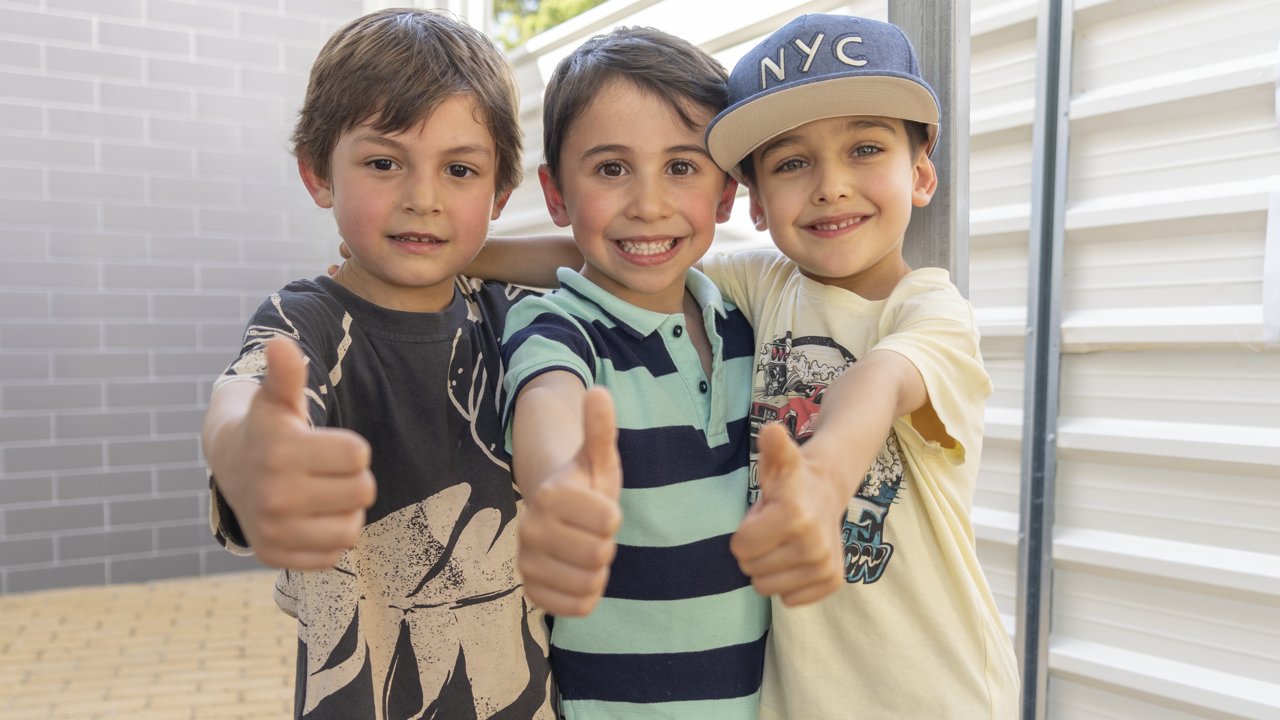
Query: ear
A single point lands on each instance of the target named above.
(320, 189)
(499, 203)
(757, 210)
(724, 208)
(555, 199)
(925, 180)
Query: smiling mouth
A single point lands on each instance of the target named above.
(646, 247)
(835, 225)
(425, 239)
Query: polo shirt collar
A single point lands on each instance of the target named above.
(638, 321)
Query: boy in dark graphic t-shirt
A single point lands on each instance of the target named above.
(364, 453)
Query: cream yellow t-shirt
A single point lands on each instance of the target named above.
(914, 632)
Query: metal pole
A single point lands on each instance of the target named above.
(1043, 351)
(938, 235)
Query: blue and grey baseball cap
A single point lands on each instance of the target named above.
(816, 67)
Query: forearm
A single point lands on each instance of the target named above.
(858, 411)
(228, 406)
(227, 409)
(530, 261)
(546, 428)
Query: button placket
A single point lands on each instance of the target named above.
(685, 355)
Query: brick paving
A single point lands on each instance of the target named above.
(214, 647)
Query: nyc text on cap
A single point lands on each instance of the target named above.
(815, 67)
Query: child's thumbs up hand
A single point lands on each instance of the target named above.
(599, 454)
(284, 384)
(789, 543)
(299, 493)
(567, 536)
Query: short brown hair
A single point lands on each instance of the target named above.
(395, 67)
(667, 66)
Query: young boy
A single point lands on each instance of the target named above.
(830, 126)
(409, 133)
(674, 629)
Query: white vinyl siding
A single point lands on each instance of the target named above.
(1166, 586)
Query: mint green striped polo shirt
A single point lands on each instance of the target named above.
(679, 633)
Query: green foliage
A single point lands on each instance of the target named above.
(519, 20)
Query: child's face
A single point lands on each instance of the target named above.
(836, 196)
(413, 207)
(641, 192)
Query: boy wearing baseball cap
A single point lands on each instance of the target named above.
(830, 125)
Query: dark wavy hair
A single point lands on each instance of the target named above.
(671, 68)
(395, 67)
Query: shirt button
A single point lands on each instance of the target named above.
(702, 386)
(678, 331)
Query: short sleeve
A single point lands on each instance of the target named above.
(932, 325)
(492, 301)
(312, 320)
(541, 337)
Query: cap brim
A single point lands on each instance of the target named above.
(745, 126)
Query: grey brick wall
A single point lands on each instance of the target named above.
(147, 203)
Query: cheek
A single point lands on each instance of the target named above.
(356, 201)
(475, 211)
(588, 214)
(899, 187)
(780, 206)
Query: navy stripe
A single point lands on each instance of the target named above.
(617, 344)
(625, 351)
(556, 328)
(698, 569)
(593, 304)
(728, 672)
(739, 338)
(656, 457)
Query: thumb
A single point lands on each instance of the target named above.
(286, 376)
(779, 462)
(600, 441)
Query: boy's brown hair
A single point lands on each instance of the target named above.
(395, 67)
(671, 68)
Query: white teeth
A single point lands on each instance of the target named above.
(835, 226)
(646, 248)
(405, 238)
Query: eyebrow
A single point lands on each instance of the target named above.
(864, 123)
(384, 141)
(616, 149)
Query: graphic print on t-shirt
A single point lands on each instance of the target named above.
(792, 375)
(424, 617)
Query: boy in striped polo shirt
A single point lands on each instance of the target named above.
(626, 536)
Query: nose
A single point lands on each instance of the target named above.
(650, 200)
(834, 184)
(420, 194)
